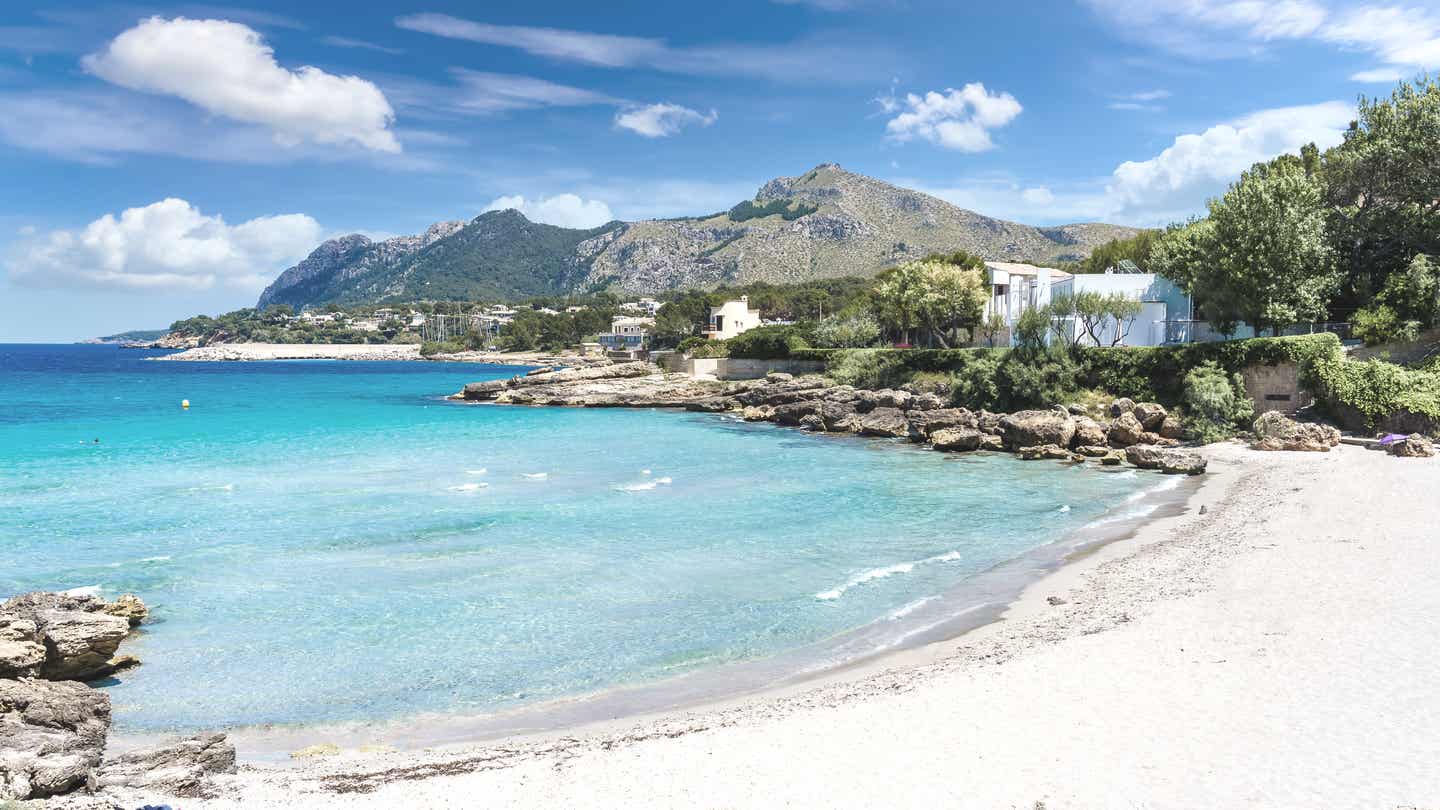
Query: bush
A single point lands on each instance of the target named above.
(1215, 403)
(1382, 324)
(431, 347)
(868, 368)
(767, 343)
(855, 331)
(702, 347)
(976, 384)
(1375, 391)
(1036, 380)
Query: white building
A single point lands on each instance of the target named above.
(731, 318)
(627, 334)
(1015, 288)
(649, 306)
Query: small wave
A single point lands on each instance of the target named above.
(640, 487)
(906, 609)
(1065, 508)
(213, 488)
(535, 476)
(480, 471)
(663, 480)
(468, 487)
(158, 558)
(644, 472)
(86, 590)
(883, 572)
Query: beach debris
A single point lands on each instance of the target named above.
(1203, 509)
(317, 750)
(1055, 600)
(184, 403)
(183, 769)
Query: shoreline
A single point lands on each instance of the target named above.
(1164, 663)
(946, 619)
(366, 352)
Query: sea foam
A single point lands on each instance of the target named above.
(535, 476)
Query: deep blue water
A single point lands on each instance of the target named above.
(328, 541)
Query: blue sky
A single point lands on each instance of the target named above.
(166, 160)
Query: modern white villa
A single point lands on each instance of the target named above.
(731, 318)
(628, 335)
(1015, 288)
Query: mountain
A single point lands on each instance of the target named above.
(823, 224)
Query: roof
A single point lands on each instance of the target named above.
(1022, 269)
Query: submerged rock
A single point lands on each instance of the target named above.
(184, 769)
(52, 736)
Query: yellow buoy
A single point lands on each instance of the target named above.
(184, 403)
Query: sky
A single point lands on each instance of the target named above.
(160, 161)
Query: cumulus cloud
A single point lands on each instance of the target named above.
(227, 69)
(955, 119)
(167, 246)
(1176, 182)
(662, 120)
(565, 210)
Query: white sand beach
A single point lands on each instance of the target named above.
(1276, 651)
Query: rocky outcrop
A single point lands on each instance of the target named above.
(184, 769)
(52, 736)
(1153, 457)
(1276, 431)
(80, 634)
(956, 439)
(1413, 446)
(1125, 431)
(22, 650)
(888, 422)
(924, 424)
(1034, 428)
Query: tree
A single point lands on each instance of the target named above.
(1123, 310)
(991, 327)
(1261, 256)
(852, 330)
(953, 299)
(898, 295)
(1383, 187)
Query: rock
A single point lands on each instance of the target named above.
(989, 422)
(1054, 600)
(490, 389)
(79, 645)
(885, 422)
(22, 651)
(756, 413)
(1276, 431)
(1075, 409)
(1032, 428)
(812, 421)
(956, 438)
(927, 402)
(1151, 414)
(838, 417)
(711, 405)
(778, 377)
(989, 441)
(1125, 431)
(1088, 432)
(1182, 462)
(1093, 450)
(317, 750)
(1171, 429)
(890, 398)
(183, 769)
(1413, 446)
(541, 370)
(841, 393)
(866, 401)
(52, 736)
(1151, 457)
(128, 607)
(1144, 456)
(923, 424)
(1044, 451)
(1114, 459)
(1121, 406)
(791, 413)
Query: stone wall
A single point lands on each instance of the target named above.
(737, 368)
(1276, 388)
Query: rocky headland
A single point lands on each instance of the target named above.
(1142, 434)
(53, 725)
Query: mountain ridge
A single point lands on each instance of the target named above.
(826, 223)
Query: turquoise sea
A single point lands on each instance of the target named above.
(333, 541)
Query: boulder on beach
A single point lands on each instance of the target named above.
(1035, 428)
(1153, 457)
(924, 424)
(1121, 406)
(1088, 432)
(1125, 431)
(1413, 446)
(52, 736)
(183, 769)
(1171, 428)
(1151, 415)
(956, 438)
(1276, 431)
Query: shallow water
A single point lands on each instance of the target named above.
(326, 541)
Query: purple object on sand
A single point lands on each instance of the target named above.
(1391, 438)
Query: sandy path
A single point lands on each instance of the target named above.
(1278, 651)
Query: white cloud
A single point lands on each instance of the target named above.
(347, 42)
(1406, 39)
(499, 92)
(1176, 182)
(227, 69)
(1039, 195)
(662, 120)
(566, 210)
(955, 119)
(825, 57)
(167, 246)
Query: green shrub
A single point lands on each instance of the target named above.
(1215, 403)
(431, 347)
(767, 343)
(1036, 380)
(1375, 390)
(976, 383)
(932, 382)
(1382, 324)
(703, 348)
(867, 368)
(859, 330)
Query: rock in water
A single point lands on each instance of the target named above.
(1088, 432)
(52, 736)
(184, 769)
(885, 422)
(130, 608)
(79, 633)
(956, 438)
